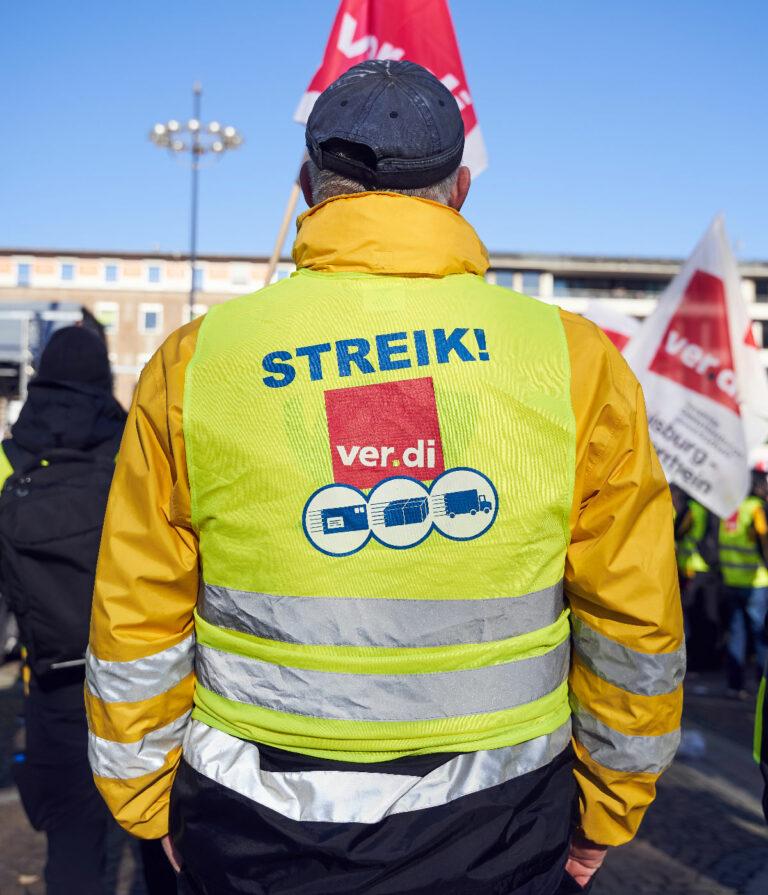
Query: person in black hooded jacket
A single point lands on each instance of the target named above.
(70, 406)
(70, 402)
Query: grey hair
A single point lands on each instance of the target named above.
(327, 184)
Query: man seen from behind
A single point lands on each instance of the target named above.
(387, 599)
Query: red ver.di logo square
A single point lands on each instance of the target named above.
(384, 430)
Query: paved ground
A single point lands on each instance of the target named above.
(22, 851)
(704, 835)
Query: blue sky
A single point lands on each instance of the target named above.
(612, 127)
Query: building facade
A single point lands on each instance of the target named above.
(140, 298)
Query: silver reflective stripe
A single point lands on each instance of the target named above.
(123, 761)
(359, 796)
(749, 567)
(643, 673)
(381, 697)
(620, 752)
(358, 621)
(142, 678)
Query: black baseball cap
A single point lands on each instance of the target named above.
(387, 124)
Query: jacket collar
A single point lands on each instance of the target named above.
(387, 233)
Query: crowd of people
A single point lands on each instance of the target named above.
(723, 572)
(281, 695)
(722, 567)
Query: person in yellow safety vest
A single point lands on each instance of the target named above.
(690, 562)
(743, 546)
(387, 599)
(696, 537)
(683, 521)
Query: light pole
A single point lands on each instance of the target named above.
(199, 140)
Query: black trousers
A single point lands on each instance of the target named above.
(60, 798)
(568, 886)
(510, 839)
(77, 858)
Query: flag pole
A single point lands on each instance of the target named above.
(290, 210)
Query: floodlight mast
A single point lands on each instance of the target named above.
(197, 139)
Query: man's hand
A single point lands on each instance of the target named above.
(584, 859)
(170, 852)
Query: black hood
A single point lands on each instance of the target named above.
(72, 415)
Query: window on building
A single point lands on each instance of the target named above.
(197, 311)
(504, 278)
(153, 274)
(110, 273)
(150, 318)
(108, 315)
(607, 287)
(531, 282)
(197, 278)
(761, 290)
(67, 271)
(23, 272)
(240, 274)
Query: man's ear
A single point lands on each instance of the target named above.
(306, 184)
(461, 188)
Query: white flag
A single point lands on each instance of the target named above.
(705, 387)
(618, 327)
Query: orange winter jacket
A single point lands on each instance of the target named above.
(620, 570)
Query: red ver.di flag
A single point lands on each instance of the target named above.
(704, 383)
(418, 30)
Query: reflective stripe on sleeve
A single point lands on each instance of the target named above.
(377, 697)
(141, 678)
(619, 752)
(359, 796)
(123, 761)
(646, 674)
(357, 621)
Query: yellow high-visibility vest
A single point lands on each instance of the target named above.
(741, 562)
(364, 457)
